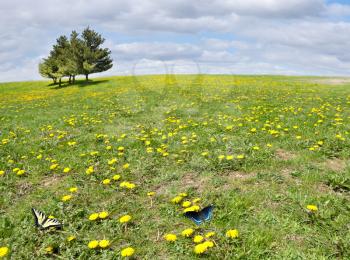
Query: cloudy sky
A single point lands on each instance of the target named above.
(294, 37)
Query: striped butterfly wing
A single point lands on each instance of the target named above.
(43, 222)
(39, 217)
(52, 223)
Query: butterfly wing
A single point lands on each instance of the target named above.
(52, 223)
(39, 217)
(194, 216)
(206, 213)
(43, 222)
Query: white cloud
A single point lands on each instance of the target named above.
(243, 36)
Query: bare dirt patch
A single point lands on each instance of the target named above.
(192, 180)
(51, 180)
(23, 188)
(335, 164)
(284, 155)
(187, 181)
(236, 175)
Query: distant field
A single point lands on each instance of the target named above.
(259, 148)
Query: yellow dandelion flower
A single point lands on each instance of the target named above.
(93, 216)
(186, 204)
(240, 156)
(196, 200)
(90, 170)
(183, 194)
(232, 233)
(125, 219)
(104, 243)
(49, 250)
(229, 157)
(20, 172)
(4, 251)
(71, 238)
(198, 239)
(126, 252)
(209, 243)
(170, 237)
(312, 208)
(151, 193)
(112, 161)
(66, 198)
(53, 166)
(177, 199)
(126, 166)
(73, 189)
(187, 232)
(116, 177)
(93, 244)
(209, 234)
(200, 248)
(192, 208)
(106, 181)
(103, 214)
(128, 185)
(221, 157)
(66, 170)
(2, 173)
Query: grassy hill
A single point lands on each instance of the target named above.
(261, 149)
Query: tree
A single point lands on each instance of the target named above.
(60, 56)
(48, 69)
(75, 56)
(94, 58)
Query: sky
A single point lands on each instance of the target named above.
(289, 37)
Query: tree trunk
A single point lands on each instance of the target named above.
(73, 79)
(70, 79)
(87, 77)
(60, 82)
(54, 80)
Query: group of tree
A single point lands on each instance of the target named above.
(76, 55)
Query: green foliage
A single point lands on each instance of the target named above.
(48, 68)
(76, 56)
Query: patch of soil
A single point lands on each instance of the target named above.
(195, 181)
(52, 180)
(236, 175)
(335, 164)
(284, 155)
(23, 188)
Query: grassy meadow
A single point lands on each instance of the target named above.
(270, 153)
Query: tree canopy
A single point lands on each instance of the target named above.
(77, 55)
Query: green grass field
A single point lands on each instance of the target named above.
(259, 148)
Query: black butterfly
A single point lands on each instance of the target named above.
(200, 216)
(43, 222)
